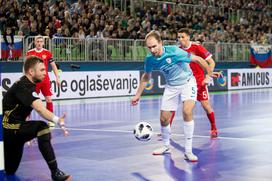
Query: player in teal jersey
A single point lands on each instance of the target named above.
(180, 87)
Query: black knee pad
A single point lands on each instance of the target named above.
(45, 137)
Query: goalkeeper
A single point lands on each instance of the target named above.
(18, 102)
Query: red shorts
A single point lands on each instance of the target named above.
(44, 87)
(202, 93)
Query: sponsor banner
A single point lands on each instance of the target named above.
(157, 82)
(87, 84)
(261, 55)
(249, 78)
(1, 133)
(219, 83)
(1, 156)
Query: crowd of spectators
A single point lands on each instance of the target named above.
(96, 19)
(252, 5)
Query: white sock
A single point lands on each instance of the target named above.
(165, 131)
(188, 132)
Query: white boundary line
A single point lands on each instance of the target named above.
(175, 134)
(146, 97)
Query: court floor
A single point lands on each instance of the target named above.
(101, 146)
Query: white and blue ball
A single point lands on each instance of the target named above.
(143, 131)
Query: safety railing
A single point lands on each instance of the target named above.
(111, 50)
(229, 52)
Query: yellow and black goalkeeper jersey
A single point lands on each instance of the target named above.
(17, 103)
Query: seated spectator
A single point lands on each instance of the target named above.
(47, 32)
(25, 27)
(91, 35)
(59, 40)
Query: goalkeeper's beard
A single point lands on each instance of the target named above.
(36, 80)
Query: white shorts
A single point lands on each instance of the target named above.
(173, 95)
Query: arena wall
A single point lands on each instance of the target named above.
(89, 80)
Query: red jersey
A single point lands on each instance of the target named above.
(199, 50)
(44, 54)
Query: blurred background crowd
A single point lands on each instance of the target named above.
(229, 21)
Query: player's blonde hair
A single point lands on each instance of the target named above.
(154, 34)
(39, 37)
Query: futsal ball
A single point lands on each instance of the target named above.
(143, 131)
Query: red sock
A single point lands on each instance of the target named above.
(49, 106)
(212, 120)
(172, 118)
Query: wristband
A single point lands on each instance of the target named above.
(61, 124)
(55, 119)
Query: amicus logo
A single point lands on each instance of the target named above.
(255, 78)
(149, 86)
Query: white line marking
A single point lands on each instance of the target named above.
(174, 134)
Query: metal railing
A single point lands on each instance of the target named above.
(126, 50)
(228, 52)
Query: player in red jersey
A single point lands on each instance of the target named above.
(46, 56)
(201, 79)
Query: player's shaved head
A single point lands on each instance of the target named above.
(154, 34)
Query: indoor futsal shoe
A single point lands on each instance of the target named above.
(190, 157)
(31, 142)
(162, 151)
(59, 175)
(213, 133)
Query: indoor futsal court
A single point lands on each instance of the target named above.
(101, 146)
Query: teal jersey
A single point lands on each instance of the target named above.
(173, 63)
